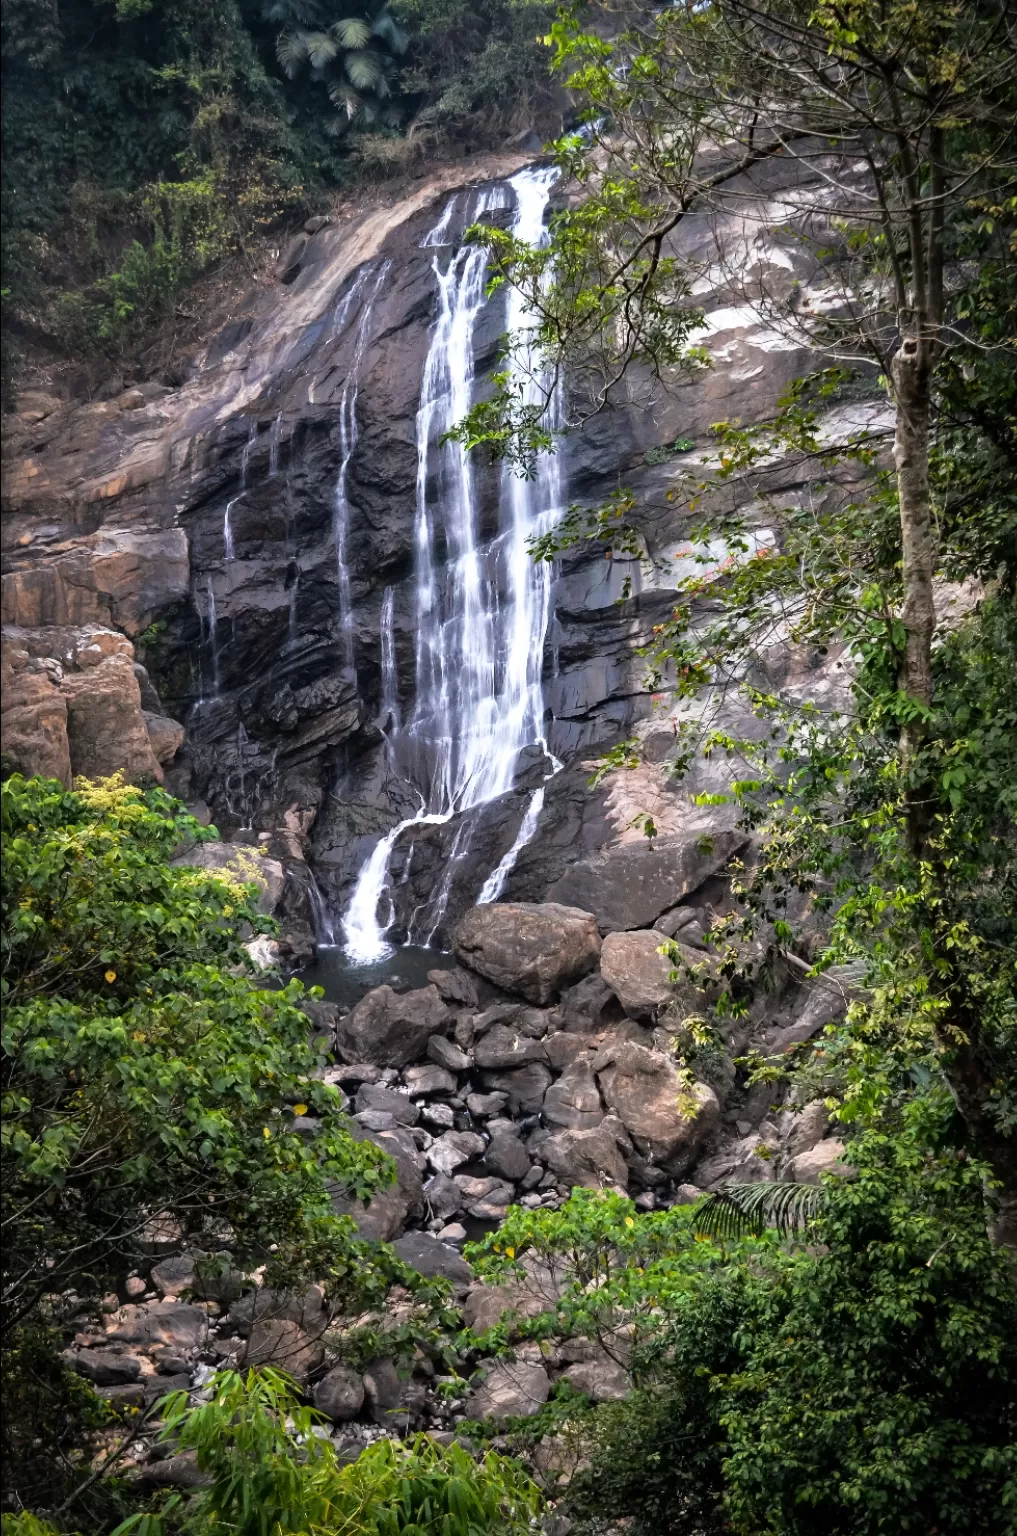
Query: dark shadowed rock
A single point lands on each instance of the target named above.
(394, 1207)
(455, 987)
(104, 1368)
(391, 1028)
(500, 1048)
(448, 1055)
(285, 1346)
(424, 1253)
(526, 1087)
(340, 1394)
(429, 1079)
(398, 1105)
(506, 1156)
(307, 1308)
(161, 1323)
(533, 950)
(443, 1195)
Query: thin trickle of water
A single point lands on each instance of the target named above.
(274, 440)
(438, 235)
(227, 522)
(213, 638)
(348, 433)
(324, 927)
(482, 616)
(389, 677)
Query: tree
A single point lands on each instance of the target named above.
(857, 1381)
(354, 56)
(147, 1078)
(903, 114)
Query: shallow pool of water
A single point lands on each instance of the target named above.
(345, 982)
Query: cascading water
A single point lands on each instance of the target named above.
(348, 434)
(227, 521)
(482, 616)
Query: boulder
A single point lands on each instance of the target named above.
(536, 1290)
(808, 1127)
(284, 1345)
(455, 987)
(525, 1087)
(448, 1055)
(166, 735)
(306, 1308)
(826, 1157)
(428, 1256)
(589, 1006)
(34, 718)
(392, 1028)
(389, 1211)
(237, 862)
(398, 1105)
(214, 1281)
(500, 1048)
(430, 1079)
(392, 1399)
(605, 1381)
(166, 1322)
(340, 1394)
(449, 1152)
(533, 950)
(642, 1088)
(438, 1117)
(637, 973)
(632, 884)
(589, 1158)
(444, 1197)
(483, 1106)
(507, 1157)
(103, 1368)
(105, 727)
(574, 1100)
(510, 1389)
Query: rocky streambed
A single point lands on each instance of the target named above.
(545, 1059)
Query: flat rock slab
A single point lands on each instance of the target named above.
(632, 884)
(531, 949)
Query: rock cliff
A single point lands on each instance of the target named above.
(215, 583)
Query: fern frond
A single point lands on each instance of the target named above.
(353, 32)
(749, 1210)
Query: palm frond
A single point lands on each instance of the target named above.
(291, 51)
(321, 48)
(345, 98)
(364, 70)
(353, 32)
(749, 1210)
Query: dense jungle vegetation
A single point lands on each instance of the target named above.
(145, 141)
(838, 1360)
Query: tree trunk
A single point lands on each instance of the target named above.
(912, 373)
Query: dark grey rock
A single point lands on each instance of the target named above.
(340, 1394)
(392, 1028)
(507, 1157)
(525, 1087)
(430, 1257)
(398, 1105)
(104, 1368)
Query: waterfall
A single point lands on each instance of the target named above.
(227, 521)
(274, 439)
(348, 434)
(389, 677)
(482, 615)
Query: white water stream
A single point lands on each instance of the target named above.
(482, 611)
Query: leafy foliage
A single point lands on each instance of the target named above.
(860, 1381)
(269, 1473)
